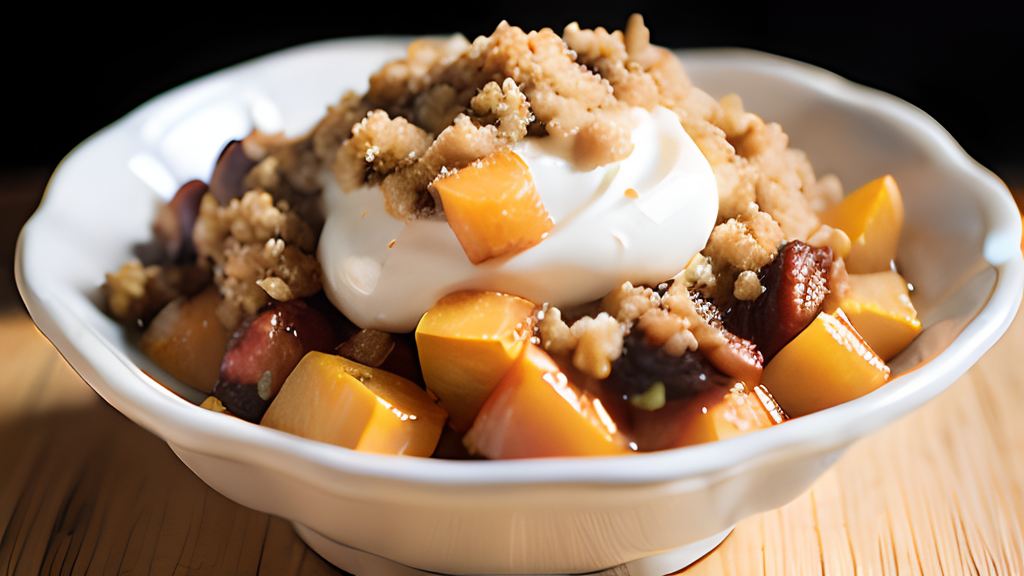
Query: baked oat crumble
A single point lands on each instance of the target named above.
(451, 102)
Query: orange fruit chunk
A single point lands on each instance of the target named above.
(186, 339)
(335, 400)
(879, 307)
(466, 342)
(537, 412)
(493, 207)
(827, 364)
(872, 216)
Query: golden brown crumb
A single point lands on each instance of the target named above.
(662, 328)
(576, 89)
(258, 251)
(135, 293)
(738, 245)
(379, 144)
(289, 169)
(826, 192)
(598, 344)
(627, 302)
(748, 286)
(505, 107)
(670, 321)
(405, 189)
(555, 335)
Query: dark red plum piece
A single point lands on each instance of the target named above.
(735, 355)
(175, 220)
(642, 365)
(228, 179)
(262, 353)
(795, 285)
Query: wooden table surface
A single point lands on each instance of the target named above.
(83, 490)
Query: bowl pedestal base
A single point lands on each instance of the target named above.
(363, 563)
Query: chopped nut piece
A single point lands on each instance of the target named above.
(834, 238)
(628, 302)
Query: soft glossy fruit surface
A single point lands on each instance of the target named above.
(879, 307)
(795, 285)
(493, 207)
(641, 366)
(264, 350)
(825, 365)
(466, 342)
(715, 414)
(228, 178)
(174, 222)
(186, 339)
(872, 216)
(335, 400)
(536, 412)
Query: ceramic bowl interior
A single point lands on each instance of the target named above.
(960, 249)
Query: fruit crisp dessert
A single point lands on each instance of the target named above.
(527, 245)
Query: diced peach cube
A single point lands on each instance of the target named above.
(827, 364)
(872, 216)
(879, 307)
(334, 400)
(466, 343)
(493, 207)
(186, 339)
(536, 412)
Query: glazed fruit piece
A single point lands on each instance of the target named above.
(264, 350)
(368, 347)
(733, 354)
(174, 222)
(493, 207)
(466, 342)
(537, 412)
(716, 414)
(228, 178)
(641, 366)
(825, 365)
(187, 341)
(334, 400)
(879, 307)
(872, 217)
(795, 285)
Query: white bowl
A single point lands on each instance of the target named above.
(379, 514)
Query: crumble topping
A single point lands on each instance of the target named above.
(135, 293)
(258, 250)
(451, 102)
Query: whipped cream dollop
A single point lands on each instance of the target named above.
(641, 219)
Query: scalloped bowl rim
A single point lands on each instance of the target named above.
(182, 424)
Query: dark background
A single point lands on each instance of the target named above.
(68, 75)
